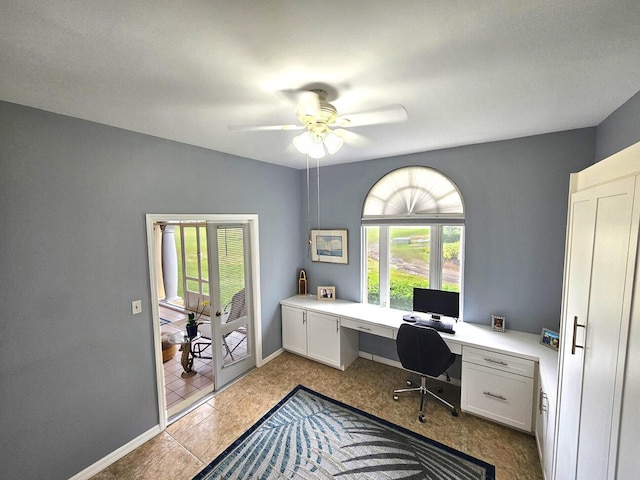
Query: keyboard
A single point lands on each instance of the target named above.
(440, 326)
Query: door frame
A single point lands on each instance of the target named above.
(153, 218)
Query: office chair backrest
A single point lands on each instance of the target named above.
(422, 349)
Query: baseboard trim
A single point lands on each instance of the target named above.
(271, 357)
(116, 454)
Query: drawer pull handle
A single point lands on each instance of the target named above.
(491, 360)
(360, 327)
(494, 395)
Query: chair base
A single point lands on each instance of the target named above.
(423, 389)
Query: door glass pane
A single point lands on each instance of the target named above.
(232, 292)
(204, 261)
(409, 264)
(191, 258)
(451, 258)
(372, 239)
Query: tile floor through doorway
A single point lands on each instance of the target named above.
(193, 441)
(177, 389)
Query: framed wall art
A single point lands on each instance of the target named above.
(329, 246)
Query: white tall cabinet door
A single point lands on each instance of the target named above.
(597, 300)
(582, 219)
(324, 338)
(609, 306)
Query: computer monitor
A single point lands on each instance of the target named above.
(436, 302)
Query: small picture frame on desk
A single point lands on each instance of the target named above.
(550, 339)
(498, 323)
(327, 293)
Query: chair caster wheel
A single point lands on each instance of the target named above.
(454, 413)
(395, 397)
(421, 418)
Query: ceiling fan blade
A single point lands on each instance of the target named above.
(388, 114)
(264, 128)
(352, 138)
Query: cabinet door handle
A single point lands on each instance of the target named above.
(337, 326)
(575, 332)
(494, 395)
(540, 401)
(304, 317)
(498, 362)
(360, 327)
(545, 403)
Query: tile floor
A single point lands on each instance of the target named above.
(181, 392)
(193, 441)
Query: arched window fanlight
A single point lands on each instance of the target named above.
(413, 194)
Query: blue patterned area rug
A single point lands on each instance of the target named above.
(310, 436)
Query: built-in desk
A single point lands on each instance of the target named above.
(498, 365)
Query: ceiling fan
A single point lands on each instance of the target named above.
(319, 118)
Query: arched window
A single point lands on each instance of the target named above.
(413, 231)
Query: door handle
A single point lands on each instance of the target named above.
(218, 313)
(575, 332)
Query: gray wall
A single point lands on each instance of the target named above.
(77, 372)
(515, 195)
(620, 129)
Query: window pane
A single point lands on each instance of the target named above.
(451, 258)
(372, 236)
(409, 263)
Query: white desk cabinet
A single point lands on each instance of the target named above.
(318, 336)
(498, 387)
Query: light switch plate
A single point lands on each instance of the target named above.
(136, 307)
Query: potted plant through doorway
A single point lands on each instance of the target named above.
(192, 322)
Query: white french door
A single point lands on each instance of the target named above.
(231, 299)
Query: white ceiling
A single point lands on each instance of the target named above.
(467, 71)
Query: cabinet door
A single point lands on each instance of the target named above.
(609, 305)
(294, 330)
(323, 338)
(582, 217)
(595, 311)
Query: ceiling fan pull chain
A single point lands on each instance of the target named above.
(318, 187)
(308, 212)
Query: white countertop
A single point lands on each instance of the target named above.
(511, 342)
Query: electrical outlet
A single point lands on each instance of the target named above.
(136, 307)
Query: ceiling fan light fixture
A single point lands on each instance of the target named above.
(316, 150)
(303, 142)
(333, 142)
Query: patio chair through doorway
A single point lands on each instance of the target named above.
(232, 311)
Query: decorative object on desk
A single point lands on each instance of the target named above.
(329, 246)
(550, 339)
(192, 322)
(347, 444)
(302, 283)
(498, 323)
(326, 293)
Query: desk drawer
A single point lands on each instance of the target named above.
(500, 396)
(367, 327)
(499, 361)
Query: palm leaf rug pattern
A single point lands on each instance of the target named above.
(311, 436)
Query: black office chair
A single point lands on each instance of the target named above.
(423, 351)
